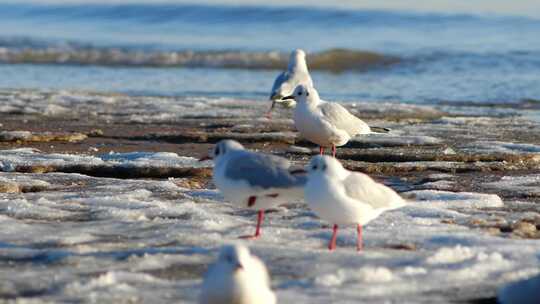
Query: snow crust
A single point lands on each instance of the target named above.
(114, 240)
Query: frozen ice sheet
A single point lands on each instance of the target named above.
(16, 159)
(116, 240)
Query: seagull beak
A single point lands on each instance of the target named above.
(288, 97)
(238, 267)
(205, 158)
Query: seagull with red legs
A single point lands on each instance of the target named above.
(327, 124)
(343, 197)
(253, 180)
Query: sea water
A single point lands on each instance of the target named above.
(236, 48)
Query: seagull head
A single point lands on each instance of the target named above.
(222, 149)
(325, 165)
(234, 257)
(297, 61)
(304, 94)
(297, 56)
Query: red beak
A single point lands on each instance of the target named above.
(205, 158)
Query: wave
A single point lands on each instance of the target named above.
(330, 60)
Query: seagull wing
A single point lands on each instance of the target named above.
(276, 88)
(361, 187)
(337, 116)
(263, 170)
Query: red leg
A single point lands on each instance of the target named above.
(334, 151)
(269, 113)
(321, 150)
(332, 244)
(359, 242)
(260, 218)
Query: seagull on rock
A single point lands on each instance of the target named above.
(326, 124)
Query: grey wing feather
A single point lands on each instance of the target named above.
(262, 170)
(340, 118)
(283, 77)
(363, 188)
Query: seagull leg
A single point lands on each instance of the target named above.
(269, 113)
(260, 218)
(334, 151)
(332, 244)
(359, 242)
(321, 150)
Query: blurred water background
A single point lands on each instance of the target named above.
(486, 52)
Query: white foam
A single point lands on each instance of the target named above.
(458, 199)
(450, 255)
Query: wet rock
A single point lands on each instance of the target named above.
(403, 246)
(95, 133)
(191, 183)
(14, 135)
(449, 221)
(26, 136)
(525, 229)
(7, 186)
(449, 151)
(299, 150)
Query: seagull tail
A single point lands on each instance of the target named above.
(379, 130)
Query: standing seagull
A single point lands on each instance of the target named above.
(297, 73)
(344, 197)
(326, 124)
(237, 277)
(254, 180)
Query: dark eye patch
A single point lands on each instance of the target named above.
(314, 167)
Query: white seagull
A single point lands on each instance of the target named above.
(326, 124)
(255, 180)
(237, 277)
(297, 73)
(342, 197)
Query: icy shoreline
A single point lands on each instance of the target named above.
(146, 234)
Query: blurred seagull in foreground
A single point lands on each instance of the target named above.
(297, 73)
(526, 291)
(326, 124)
(255, 180)
(237, 277)
(343, 197)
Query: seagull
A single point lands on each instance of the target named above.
(297, 73)
(341, 197)
(326, 124)
(255, 180)
(525, 291)
(237, 277)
